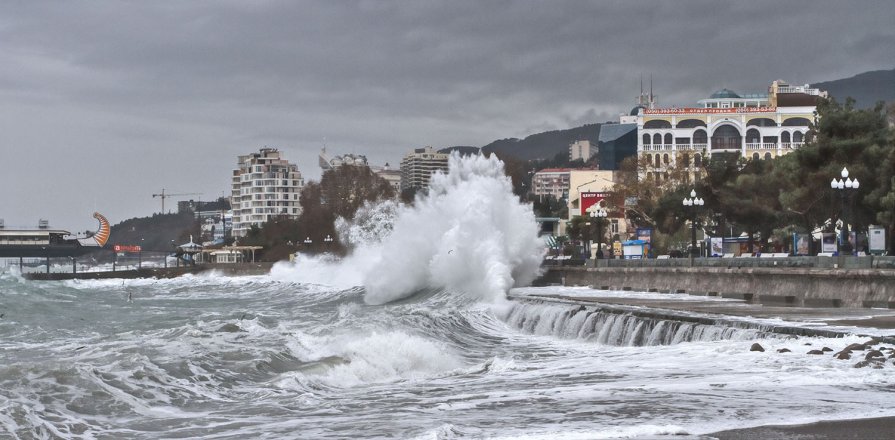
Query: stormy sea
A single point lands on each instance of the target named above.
(410, 336)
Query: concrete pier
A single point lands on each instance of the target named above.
(236, 269)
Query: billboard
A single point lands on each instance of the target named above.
(876, 240)
(589, 199)
(716, 244)
(800, 243)
(829, 242)
(127, 248)
(645, 234)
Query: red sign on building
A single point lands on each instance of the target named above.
(127, 248)
(589, 199)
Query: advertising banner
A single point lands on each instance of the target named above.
(876, 238)
(829, 242)
(800, 244)
(127, 248)
(716, 244)
(589, 199)
(645, 234)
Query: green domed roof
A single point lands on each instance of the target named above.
(724, 93)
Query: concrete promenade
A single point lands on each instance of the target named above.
(780, 285)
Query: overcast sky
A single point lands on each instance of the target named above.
(103, 104)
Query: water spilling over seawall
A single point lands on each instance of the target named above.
(615, 324)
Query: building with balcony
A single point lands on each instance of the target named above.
(551, 182)
(264, 185)
(754, 126)
(418, 166)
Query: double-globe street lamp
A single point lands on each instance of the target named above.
(846, 189)
(693, 203)
(597, 214)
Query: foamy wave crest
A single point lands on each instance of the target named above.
(372, 223)
(469, 234)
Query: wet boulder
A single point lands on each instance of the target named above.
(756, 347)
(844, 355)
(815, 352)
(853, 347)
(873, 354)
(784, 350)
(826, 349)
(230, 328)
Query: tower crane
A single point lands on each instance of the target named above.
(164, 196)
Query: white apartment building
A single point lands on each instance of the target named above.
(755, 126)
(581, 150)
(264, 186)
(551, 182)
(418, 166)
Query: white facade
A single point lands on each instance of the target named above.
(756, 126)
(418, 166)
(264, 186)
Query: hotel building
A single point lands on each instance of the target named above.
(264, 185)
(754, 126)
(418, 166)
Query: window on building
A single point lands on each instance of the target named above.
(668, 139)
(646, 139)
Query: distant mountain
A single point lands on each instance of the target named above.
(543, 145)
(462, 149)
(867, 88)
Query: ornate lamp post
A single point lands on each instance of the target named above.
(693, 203)
(327, 241)
(597, 214)
(846, 189)
(308, 242)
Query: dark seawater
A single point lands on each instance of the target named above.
(265, 357)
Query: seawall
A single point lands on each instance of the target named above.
(766, 285)
(238, 269)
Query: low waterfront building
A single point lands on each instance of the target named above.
(754, 126)
(264, 186)
(418, 166)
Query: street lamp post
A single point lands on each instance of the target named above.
(327, 241)
(308, 242)
(846, 188)
(693, 203)
(598, 214)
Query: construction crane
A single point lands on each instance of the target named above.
(165, 196)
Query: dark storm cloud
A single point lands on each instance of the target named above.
(109, 102)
